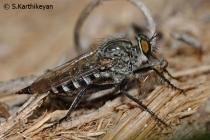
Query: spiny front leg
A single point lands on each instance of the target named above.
(78, 99)
(123, 85)
(171, 76)
(146, 69)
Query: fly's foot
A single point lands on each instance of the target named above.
(176, 88)
(55, 124)
(50, 127)
(181, 90)
(162, 122)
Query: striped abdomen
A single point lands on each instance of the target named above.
(66, 87)
(76, 83)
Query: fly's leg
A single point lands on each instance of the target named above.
(122, 89)
(146, 69)
(171, 76)
(78, 99)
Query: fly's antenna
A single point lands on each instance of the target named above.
(153, 36)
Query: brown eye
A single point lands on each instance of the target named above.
(145, 46)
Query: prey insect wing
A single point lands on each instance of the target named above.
(149, 79)
(146, 82)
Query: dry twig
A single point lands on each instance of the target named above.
(197, 126)
(22, 114)
(148, 16)
(80, 22)
(4, 110)
(89, 8)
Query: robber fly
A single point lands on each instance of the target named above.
(115, 64)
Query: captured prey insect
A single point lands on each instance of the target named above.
(115, 64)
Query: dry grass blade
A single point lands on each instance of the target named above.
(196, 71)
(90, 7)
(4, 110)
(80, 22)
(148, 16)
(197, 126)
(23, 113)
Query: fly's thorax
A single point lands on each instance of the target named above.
(115, 49)
(128, 57)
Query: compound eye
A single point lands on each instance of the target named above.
(145, 47)
(145, 44)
